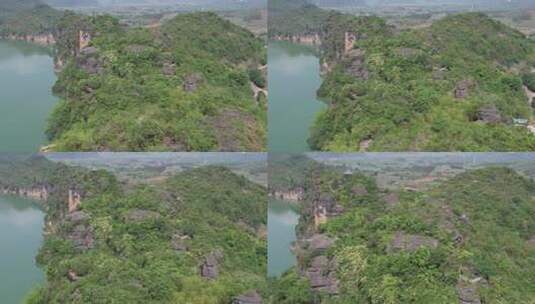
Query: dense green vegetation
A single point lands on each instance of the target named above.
(25, 18)
(183, 86)
(146, 243)
(472, 233)
(454, 86)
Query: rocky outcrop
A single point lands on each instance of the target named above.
(39, 193)
(169, 69)
(410, 242)
(468, 285)
(210, 267)
(84, 39)
(40, 39)
(82, 236)
(293, 195)
(463, 89)
(489, 114)
(322, 275)
(179, 242)
(531, 241)
(355, 65)
(192, 82)
(349, 41)
(306, 39)
(325, 207)
(319, 243)
(74, 200)
(138, 215)
(251, 297)
(392, 199)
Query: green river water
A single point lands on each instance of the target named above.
(26, 78)
(282, 220)
(21, 235)
(294, 78)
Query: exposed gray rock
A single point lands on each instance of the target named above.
(392, 199)
(91, 50)
(168, 69)
(251, 297)
(138, 215)
(179, 242)
(191, 82)
(78, 216)
(209, 269)
(359, 190)
(489, 114)
(136, 49)
(531, 241)
(356, 65)
(407, 52)
(82, 237)
(321, 275)
(468, 292)
(463, 89)
(91, 65)
(410, 242)
(319, 243)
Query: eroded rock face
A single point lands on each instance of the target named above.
(356, 65)
(531, 241)
(168, 69)
(463, 89)
(82, 237)
(468, 292)
(138, 215)
(209, 269)
(319, 243)
(74, 200)
(325, 207)
(410, 242)
(192, 82)
(90, 65)
(78, 216)
(321, 275)
(293, 195)
(489, 114)
(392, 199)
(251, 297)
(88, 51)
(179, 242)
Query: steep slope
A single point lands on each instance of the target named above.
(456, 86)
(199, 237)
(26, 19)
(467, 240)
(187, 85)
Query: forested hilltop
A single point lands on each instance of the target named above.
(197, 237)
(196, 82)
(461, 84)
(27, 19)
(469, 239)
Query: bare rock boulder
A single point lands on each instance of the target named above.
(463, 89)
(251, 297)
(489, 114)
(210, 266)
(192, 82)
(410, 242)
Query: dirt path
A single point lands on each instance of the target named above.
(530, 94)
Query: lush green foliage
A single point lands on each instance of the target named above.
(406, 102)
(133, 259)
(131, 93)
(26, 18)
(481, 220)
